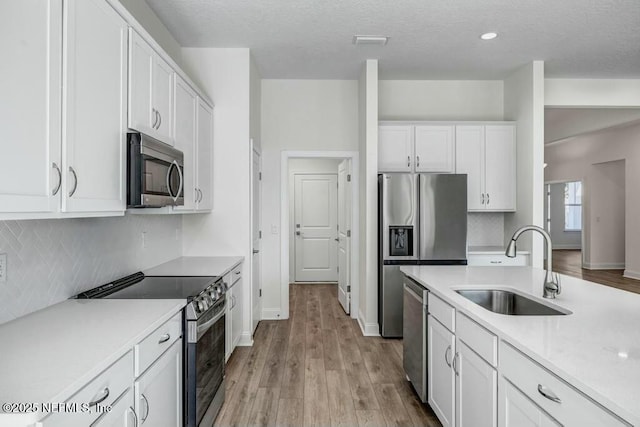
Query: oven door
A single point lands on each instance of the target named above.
(205, 358)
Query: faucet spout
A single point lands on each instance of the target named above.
(551, 280)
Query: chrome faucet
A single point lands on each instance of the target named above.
(551, 279)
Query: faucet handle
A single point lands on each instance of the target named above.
(557, 280)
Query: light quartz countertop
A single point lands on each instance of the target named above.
(48, 355)
(491, 250)
(196, 266)
(596, 348)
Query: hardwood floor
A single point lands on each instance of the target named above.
(569, 262)
(316, 369)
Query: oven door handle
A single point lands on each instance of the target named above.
(206, 325)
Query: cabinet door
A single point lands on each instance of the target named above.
(228, 334)
(476, 389)
(516, 410)
(441, 379)
(121, 414)
(30, 105)
(158, 392)
(434, 149)
(94, 100)
(500, 169)
(470, 161)
(185, 138)
(395, 148)
(162, 99)
(237, 313)
(141, 58)
(204, 137)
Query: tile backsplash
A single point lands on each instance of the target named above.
(485, 229)
(50, 260)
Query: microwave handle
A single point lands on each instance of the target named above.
(169, 180)
(177, 166)
(181, 180)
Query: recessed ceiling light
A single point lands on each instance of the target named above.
(370, 40)
(489, 36)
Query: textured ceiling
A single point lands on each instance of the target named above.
(430, 39)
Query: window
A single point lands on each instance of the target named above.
(573, 206)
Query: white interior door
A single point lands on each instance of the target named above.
(316, 224)
(344, 235)
(256, 201)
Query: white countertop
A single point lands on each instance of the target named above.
(491, 250)
(596, 348)
(50, 354)
(196, 266)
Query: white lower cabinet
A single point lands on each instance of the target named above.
(233, 323)
(121, 414)
(441, 379)
(516, 410)
(476, 389)
(158, 391)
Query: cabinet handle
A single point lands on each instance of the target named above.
(455, 365)
(488, 198)
(201, 195)
(238, 272)
(75, 182)
(155, 117)
(548, 394)
(164, 338)
(146, 405)
(55, 190)
(417, 161)
(483, 198)
(408, 161)
(105, 394)
(159, 119)
(135, 416)
(233, 302)
(446, 357)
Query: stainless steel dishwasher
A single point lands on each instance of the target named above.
(414, 328)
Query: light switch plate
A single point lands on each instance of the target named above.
(3, 267)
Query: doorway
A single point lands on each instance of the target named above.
(320, 215)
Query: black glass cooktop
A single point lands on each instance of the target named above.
(139, 286)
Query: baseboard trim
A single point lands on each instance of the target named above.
(567, 247)
(246, 340)
(631, 274)
(368, 329)
(604, 266)
(271, 314)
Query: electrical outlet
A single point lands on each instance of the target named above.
(3, 267)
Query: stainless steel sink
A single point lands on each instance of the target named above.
(508, 303)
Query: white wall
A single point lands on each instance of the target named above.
(154, 26)
(561, 239)
(298, 115)
(303, 166)
(592, 92)
(255, 87)
(225, 75)
(561, 123)
(441, 100)
(574, 160)
(524, 103)
(368, 146)
(51, 260)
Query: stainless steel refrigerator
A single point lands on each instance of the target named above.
(422, 220)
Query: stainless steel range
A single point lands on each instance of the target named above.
(203, 334)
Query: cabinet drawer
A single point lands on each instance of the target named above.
(442, 311)
(572, 407)
(478, 338)
(236, 274)
(104, 389)
(496, 260)
(150, 348)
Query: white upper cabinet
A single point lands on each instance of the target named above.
(150, 90)
(395, 148)
(434, 149)
(204, 138)
(487, 154)
(30, 108)
(94, 104)
(185, 139)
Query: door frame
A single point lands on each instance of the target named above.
(285, 199)
(583, 242)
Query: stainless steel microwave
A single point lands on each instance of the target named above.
(155, 173)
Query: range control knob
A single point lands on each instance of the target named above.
(225, 286)
(218, 290)
(199, 306)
